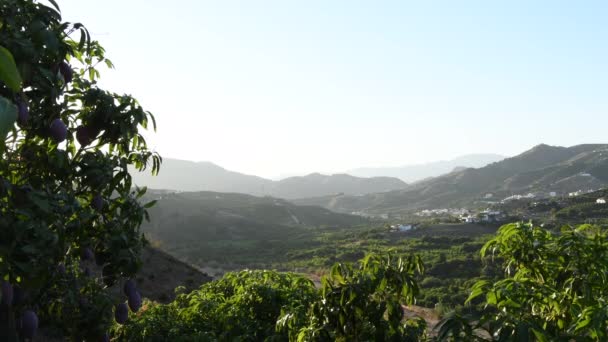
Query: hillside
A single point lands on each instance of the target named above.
(183, 175)
(541, 169)
(413, 173)
(227, 228)
(560, 210)
(161, 273)
(317, 184)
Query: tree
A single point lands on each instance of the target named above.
(362, 304)
(66, 196)
(555, 288)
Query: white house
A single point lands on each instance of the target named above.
(470, 219)
(405, 227)
(601, 201)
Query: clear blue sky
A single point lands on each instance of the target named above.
(275, 87)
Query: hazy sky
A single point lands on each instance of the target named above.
(275, 87)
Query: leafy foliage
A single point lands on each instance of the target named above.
(363, 304)
(65, 190)
(352, 304)
(555, 287)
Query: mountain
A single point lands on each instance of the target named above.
(183, 175)
(198, 226)
(543, 168)
(317, 184)
(413, 173)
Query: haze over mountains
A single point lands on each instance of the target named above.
(413, 173)
(184, 175)
(543, 168)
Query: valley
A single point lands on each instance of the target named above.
(416, 200)
(222, 232)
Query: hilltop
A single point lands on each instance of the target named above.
(541, 169)
(181, 175)
(414, 173)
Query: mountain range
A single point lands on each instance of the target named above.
(184, 175)
(543, 168)
(413, 173)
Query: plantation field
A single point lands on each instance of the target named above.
(453, 230)
(450, 252)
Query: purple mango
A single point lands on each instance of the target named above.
(23, 113)
(97, 202)
(86, 135)
(135, 301)
(121, 313)
(18, 295)
(29, 324)
(87, 254)
(66, 71)
(129, 288)
(7, 293)
(58, 130)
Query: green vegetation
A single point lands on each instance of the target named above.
(69, 218)
(235, 230)
(70, 238)
(220, 232)
(359, 303)
(554, 288)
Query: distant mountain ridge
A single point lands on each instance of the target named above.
(417, 172)
(543, 168)
(183, 175)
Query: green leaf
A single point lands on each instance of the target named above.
(150, 204)
(55, 5)
(477, 290)
(8, 116)
(8, 70)
(540, 336)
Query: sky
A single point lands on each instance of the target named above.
(291, 87)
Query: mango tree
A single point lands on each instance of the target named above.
(555, 288)
(69, 214)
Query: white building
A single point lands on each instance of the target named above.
(601, 201)
(470, 219)
(402, 227)
(405, 227)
